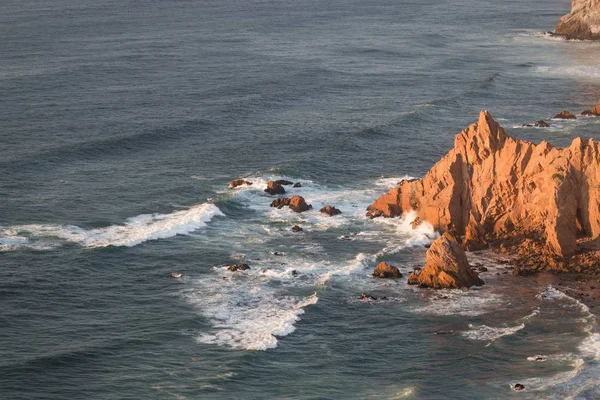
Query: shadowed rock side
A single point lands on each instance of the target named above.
(594, 112)
(491, 187)
(446, 267)
(583, 22)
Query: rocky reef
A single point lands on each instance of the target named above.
(583, 22)
(538, 202)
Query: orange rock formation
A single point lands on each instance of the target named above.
(491, 187)
(446, 267)
(583, 22)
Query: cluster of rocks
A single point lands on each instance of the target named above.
(566, 115)
(295, 203)
(538, 203)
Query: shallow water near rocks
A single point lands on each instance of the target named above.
(122, 124)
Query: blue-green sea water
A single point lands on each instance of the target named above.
(121, 125)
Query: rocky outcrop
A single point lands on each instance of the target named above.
(296, 203)
(493, 189)
(239, 182)
(330, 210)
(583, 22)
(383, 270)
(564, 114)
(274, 188)
(594, 112)
(237, 267)
(446, 267)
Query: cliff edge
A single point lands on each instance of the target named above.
(583, 22)
(491, 189)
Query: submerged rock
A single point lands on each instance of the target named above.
(296, 228)
(297, 185)
(175, 275)
(594, 112)
(330, 210)
(583, 22)
(564, 114)
(239, 182)
(274, 188)
(383, 270)
(237, 267)
(542, 124)
(519, 387)
(366, 296)
(284, 182)
(446, 267)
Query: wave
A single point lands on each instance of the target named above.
(490, 333)
(579, 71)
(471, 303)
(136, 230)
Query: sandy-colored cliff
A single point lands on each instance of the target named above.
(491, 187)
(583, 22)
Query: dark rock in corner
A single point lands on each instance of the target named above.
(564, 114)
(385, 271)
(274, 188)
(296, 228)
(330, 210)
(239, 182)
(366, 296)
(237, 267)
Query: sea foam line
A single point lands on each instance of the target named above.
(136, 230)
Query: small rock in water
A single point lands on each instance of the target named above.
(564, 114)
(237, 267)
(274, 188)
(366, 296)
(385, 271)
(519, 387)
(283, 182)
(297, 185)
(294, 273)
(176, 275)
(239, 182)
(238, 256)
(330, 210)
(542, 124)
(296, 228)
(449, 332)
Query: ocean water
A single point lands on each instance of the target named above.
(121, 124)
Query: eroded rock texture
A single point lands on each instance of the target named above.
(491, 186)
(583, 22)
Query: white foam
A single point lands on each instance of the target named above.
(470, 303)
(135, 230)
(392, 182)
(590, 346)
(490, 333)
(246, 315)
(552, 294)
(578, 71)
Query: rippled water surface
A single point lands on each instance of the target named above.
(121, 124)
